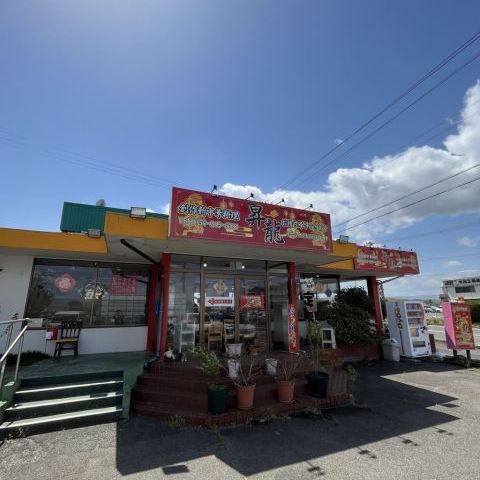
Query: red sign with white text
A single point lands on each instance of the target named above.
(216, 217)
(121, 285)
(292, 329)
(383, 259)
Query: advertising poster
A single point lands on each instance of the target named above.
(458, 326)
(253, 302)
(387, 260)
(205, 216)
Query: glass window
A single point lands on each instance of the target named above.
(100, 295)
(278, 286)
(183, 311)
(240, 265)
(185, 261)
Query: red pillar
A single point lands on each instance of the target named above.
(293, 339)
(151, 315)
(377, 304)
(164, 312)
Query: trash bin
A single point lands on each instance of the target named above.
(391, 350)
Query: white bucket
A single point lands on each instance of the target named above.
(233, 366)
(271, 364)
(234, 349)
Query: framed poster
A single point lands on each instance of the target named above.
(458, 326)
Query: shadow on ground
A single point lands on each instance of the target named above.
(387, 409)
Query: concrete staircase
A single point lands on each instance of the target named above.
(57, 402)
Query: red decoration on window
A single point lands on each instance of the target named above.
(121, 285)
(64, 282)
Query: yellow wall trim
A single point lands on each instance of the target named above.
(64, 242)
(120, 224)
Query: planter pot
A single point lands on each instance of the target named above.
(253, 349)
(234, 349)
(233, 366)
(271, 364)
(217, 399)
(245, 395)
(285, 389)
(317, 384)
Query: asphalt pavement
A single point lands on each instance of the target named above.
(411, 420)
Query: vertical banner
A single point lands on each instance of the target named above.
(458, 326)
(292, 329)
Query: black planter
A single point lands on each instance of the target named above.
(217, 399)
(317, 384)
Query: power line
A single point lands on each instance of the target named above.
(412, 203)
(86, 161)
(432, 232)
(473, 254)
(389, 121)
(405, 93)
(426, 187)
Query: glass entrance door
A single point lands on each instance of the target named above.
(235, 311)
(252, 327)
(220, 311)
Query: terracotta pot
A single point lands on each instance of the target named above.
(245, 394)
(285, 390)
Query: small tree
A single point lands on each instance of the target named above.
(315, 339)
(211, 366)
(356, 297)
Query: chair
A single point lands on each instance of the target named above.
(67, 337)
(228, 332)
(214, 334)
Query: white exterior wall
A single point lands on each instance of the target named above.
(14, 283)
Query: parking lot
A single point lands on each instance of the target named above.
(410, 420)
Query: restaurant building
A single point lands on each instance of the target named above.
(145, 281)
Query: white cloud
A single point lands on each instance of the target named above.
(453, 264)
(349, 192)
(150, 210)
(468, 241)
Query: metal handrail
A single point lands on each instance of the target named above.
(18, 338)
(18, 320)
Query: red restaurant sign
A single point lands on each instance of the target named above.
(216, 217)
(395, 261)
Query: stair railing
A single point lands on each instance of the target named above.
(10, 346)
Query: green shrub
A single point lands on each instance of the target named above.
(356, 297)
(475, 309)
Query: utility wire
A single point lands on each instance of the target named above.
(411, 204)
(432, 232)
(405, 93)
(86, 161)
(389, 121)
(426, 187)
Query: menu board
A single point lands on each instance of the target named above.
(458, 326)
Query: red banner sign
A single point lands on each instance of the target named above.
(216, 217)
(292, 329)
(457, 321)
(385, 260)
(121, 285)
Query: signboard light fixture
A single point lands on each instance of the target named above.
(94, 232)
(138, 212)
(343, 238)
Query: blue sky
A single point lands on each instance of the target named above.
(238, 93)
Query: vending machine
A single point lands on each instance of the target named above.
(408, 326)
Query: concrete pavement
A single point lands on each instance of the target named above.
(413, 420)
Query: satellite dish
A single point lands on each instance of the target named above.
(101, 203)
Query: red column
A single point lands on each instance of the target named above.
(377, 304)
(164, 312)
(293, 339)
(151, 316)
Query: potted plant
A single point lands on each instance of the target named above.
(286, 370)
(245, 381)
(317, 380)
(217, 392)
